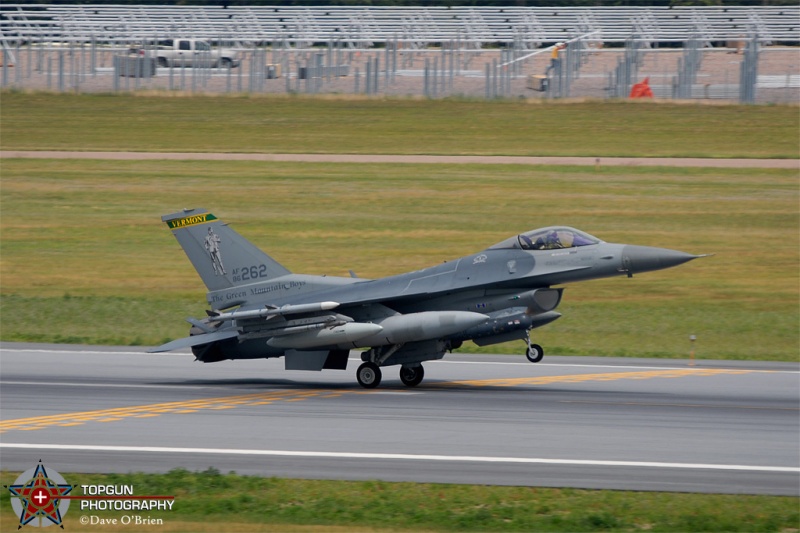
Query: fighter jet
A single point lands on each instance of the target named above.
(259, 309)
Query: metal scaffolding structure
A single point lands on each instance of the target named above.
(627, 69)
(688, 67)
(685, 52)
(749, 73)
(365, 27)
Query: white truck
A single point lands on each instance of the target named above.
(191, 53)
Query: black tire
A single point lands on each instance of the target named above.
(368, 375)
(225, 62)
(411, 376)
(162, 62)
(534, 353)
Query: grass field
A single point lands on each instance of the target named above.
(86, 259)
(81, 240)
(400, 126)
(209, 501)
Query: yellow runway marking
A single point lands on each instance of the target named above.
(581, 378)
(269, 398)
(153, 410)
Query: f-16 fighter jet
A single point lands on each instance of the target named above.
(259, 309)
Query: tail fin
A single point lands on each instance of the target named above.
(222, 257)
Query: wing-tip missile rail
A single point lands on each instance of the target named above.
(269, 311)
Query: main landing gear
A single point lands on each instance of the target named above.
(534, 352)
(369, 375)
(411, 376)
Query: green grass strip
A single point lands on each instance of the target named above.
(40, 121)
(86, 258)
(211, 501)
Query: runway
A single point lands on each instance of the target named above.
(583, 422)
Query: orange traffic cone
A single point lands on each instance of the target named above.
(642, 90)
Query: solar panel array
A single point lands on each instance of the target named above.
(366, 26)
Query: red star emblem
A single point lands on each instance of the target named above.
(40, 497)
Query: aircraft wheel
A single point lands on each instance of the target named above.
(368, 375)
(534, 353)
(411, 376)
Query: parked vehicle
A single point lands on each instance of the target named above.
(190, 53)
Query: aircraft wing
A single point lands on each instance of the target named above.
(396, 291)
(282, 326)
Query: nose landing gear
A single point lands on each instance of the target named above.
(534, 352)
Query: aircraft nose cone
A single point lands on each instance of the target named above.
(646, 258)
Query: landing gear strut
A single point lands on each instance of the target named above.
(369, 375)
(411, 376)
(534, 352)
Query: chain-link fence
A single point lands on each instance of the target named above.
(743, 71)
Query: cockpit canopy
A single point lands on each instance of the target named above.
(552, 238)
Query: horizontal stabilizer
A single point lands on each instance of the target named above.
(201, 326)
(196, 340)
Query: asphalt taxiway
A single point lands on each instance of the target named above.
(726, 427)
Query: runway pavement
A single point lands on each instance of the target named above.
(727, 427)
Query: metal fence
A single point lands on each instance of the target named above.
(715, 52)
(365, 26)
(746, 71)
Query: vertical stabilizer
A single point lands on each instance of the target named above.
(222, 257)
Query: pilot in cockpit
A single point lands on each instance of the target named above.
(554, 239)
(548, 242)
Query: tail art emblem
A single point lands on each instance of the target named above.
(212, 247)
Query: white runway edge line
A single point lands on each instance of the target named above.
(397, 457)
(440, 362)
